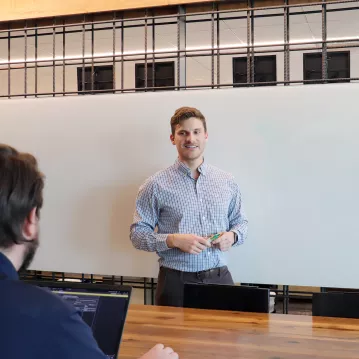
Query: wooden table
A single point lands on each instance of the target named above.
(196, 334)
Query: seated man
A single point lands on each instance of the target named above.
(34, 323)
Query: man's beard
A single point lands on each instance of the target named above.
(31, 248)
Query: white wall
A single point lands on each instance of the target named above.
(302, 27)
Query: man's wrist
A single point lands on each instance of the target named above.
(170, 241)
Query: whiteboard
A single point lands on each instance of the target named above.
(293, 150)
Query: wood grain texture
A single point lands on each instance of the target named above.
(196, 334)
(11, 10)
(28, 9)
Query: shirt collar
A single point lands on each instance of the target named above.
(7, 269)
(202, 169)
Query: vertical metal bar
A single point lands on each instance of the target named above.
(25, 60)
(63, 59)
(153, 47)
(152, 291)
(248, 42)
(144, 290)
(36, 48)
(82, 277)
(178, 45)
(121, 280)
(91, 278)
(83, 54)
(252, 42)
(285, 299)
(146, 69)
(212, 45)
(324, 43)
(53, 57)
(114, 52)
(286, 46)
(8, 62)
(122, 50)
(92, 57)
(181, 47)
(218, 51)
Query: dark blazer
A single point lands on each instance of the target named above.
(36, 324)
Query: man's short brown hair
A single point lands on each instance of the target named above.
(21, 191)
(184, 113)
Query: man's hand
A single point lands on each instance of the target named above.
(225, 241)
(160, 352)
(188, 243)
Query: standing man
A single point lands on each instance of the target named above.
(187, 203)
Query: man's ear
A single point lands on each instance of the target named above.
(29, 229)
(172, 138)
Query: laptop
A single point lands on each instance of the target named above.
(226, 297)
(103, 307)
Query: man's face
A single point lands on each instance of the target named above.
(190, 139)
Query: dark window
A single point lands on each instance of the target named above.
(265, 70)
(164, 75)
(338, 66)
(102, 79)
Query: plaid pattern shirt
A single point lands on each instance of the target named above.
(172, 201)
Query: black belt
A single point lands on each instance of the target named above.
(208, 271)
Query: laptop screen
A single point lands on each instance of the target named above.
(102, 307)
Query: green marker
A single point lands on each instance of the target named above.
(214, 237)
